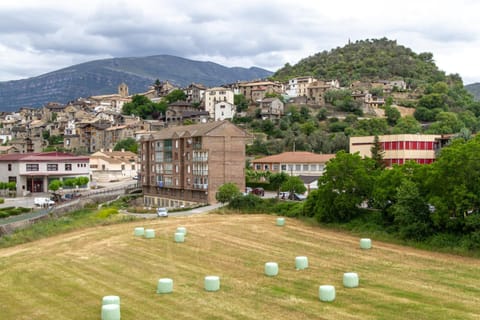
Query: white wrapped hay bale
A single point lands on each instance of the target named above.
(111, 300)
(326, 293)
(212, 283)
(301, 262)
(350, 280)
(165, 285)
(280, 222)
(271, 269)
(365, 243)
(111, 312)
(182, 230)
(179, 237)
(149, 233)
(139, 231)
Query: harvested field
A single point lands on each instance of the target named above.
(65, 277)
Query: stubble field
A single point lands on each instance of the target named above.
(66, 276)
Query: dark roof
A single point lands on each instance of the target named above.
(308, 179)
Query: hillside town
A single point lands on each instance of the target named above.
(181, 165)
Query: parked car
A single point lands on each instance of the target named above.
(43, 202)
(258, 191)
(162, 212)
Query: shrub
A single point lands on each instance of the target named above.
(2, 200)
(107, 212)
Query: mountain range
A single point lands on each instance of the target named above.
(474, 89)
(103, 77)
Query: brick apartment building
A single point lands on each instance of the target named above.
(185, 165)
(399, 148)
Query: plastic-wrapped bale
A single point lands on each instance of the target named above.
(301, 263)
(149, 233)
(139, 231)
(280, 222)
(111, 300)
(111, 312)
(165, 285)
(271, 269)
(212, 283)
(179, 237)
(326, 293)
(182, 230)
(350, 280)
(365, 243)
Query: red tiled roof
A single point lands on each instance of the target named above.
(296, 157)
(42, 156)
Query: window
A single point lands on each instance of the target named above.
(123, 167)
(12, 179)
(68, 167)
(305, 167)
(32, 166)
(94, 166)
(284, 167)
(258, 166)
(133, 167)
(275, 167)
(266, 167)
(9, 167)
(52, 167)
(298, 167)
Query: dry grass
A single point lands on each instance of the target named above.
(65, 277)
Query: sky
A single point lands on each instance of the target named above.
(37, 37)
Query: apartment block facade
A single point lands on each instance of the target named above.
(185, 165)
(400, 148)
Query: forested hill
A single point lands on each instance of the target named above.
(367, 59)
(474, 89)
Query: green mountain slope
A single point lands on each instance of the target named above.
(474, 89)
(367, 59)
(104, 76)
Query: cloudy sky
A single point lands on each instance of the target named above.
(39, 36)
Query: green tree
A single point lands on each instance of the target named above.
(276, 181)
(407, 124)
(411, 213)
(128, 144)
(227, 192)
(378, 153)
(55, 185)
(240, 102)
(142, 106)
(293, 185)
(446, 122)
(393, 115)
(176, 95)
(346, 183)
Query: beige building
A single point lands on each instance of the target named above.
(113, 165)
(216, 95)
(299, 163)
(400, 148)
(185, 165)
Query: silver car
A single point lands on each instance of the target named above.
(162, 212)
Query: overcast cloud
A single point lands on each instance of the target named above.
(42, 36)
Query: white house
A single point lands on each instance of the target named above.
(33, 172)
(224, 110)
(215, 95)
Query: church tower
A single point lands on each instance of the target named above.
(123, 90)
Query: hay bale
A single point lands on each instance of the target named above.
(280, 222)
(212, 283)
(111, 312)
(139, 231)
(111, 300)
(350, 280)
(326, 293)
(165, 285)
(149, 233)
(179, 237)
(365, 243)
(182, 230)
(301, 262)
(271, 269)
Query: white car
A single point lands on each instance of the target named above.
(42, 202)
(162, 212)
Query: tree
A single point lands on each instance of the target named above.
(293, 185)
(240, 102)
(55, 185)
(393, 115)
(142, 106)
(378, 153)
(176, 95)
(277, 180)
(227, 192)
(346, 183)
(407, 124)
(128, 144)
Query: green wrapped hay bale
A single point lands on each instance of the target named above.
(212, 283)
(326, 293)
(179, 237)
(111, 312)
(139, 231)
(182, 230)
(301, 263)
(280, 222)
(149, 233)
(111, 300)
(365, 243)
(271, 269)
(350, 280)
(165, 285)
